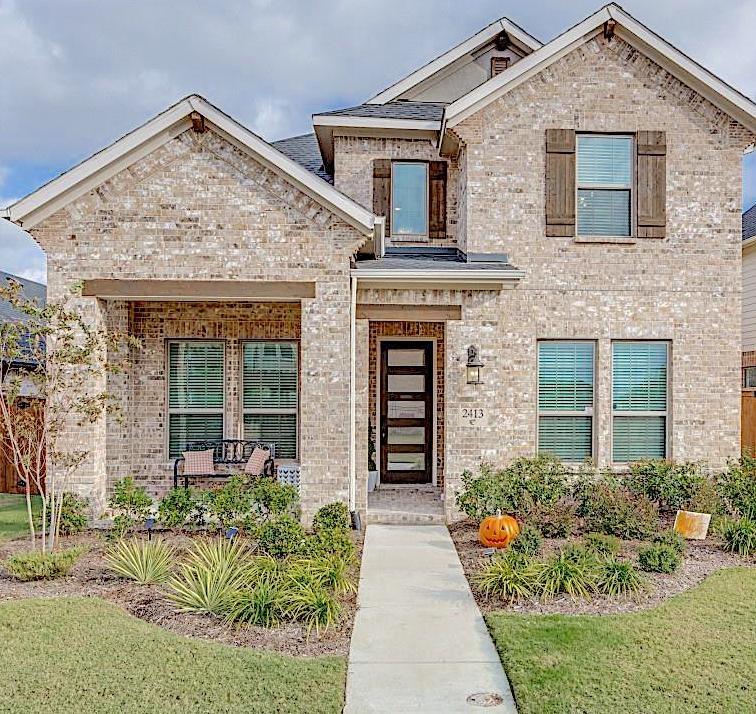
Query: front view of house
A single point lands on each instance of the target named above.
(518, 248)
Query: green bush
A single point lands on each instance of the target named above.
(273, 499)
(672, 539)
(617, 577)
(737, 487)
(510, 575)
(73, 514)
(230, 506)
(739, 535)
(144, 561)
(42, 566)
(181, 507)
(554, 520)
(566, 573)
(259, 605)
(516, 489)
(659, 558)
(608, 508)
(578, 553)
(706, 499)
(315, 607)
(528, 542)
(602, 544)
(333, 573)
(330, 541)
(131, 505)
(281, 537)
(333, 515)
(668, 484)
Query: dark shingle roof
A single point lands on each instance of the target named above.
(424, 111)
(749, 223)
(435, 259)
(30, 290)
(305, 151)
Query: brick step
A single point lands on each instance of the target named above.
(404, 518)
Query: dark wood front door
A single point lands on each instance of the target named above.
(406, 412)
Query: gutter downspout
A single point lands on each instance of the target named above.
(352, 392)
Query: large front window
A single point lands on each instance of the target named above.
(195, 393)
(604, 185)
(565, 399)
(409, 198)
(270, 394)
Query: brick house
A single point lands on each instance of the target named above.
(566, 215)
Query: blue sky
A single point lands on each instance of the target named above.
(78, 74)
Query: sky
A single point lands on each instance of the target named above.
(78, 74)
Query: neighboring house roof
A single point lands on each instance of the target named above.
(304, 150)
(525, 41)
(749, 223)
(692, 74)
(173, 121)
(423, 111)
(30, 290)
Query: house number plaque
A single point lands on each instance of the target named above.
(473, 416)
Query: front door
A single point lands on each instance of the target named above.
(406, 432)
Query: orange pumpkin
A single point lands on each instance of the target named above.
(498, 531)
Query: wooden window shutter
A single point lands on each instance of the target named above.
(651, 184)
(382, 190)
(560, 182)
(437, 203)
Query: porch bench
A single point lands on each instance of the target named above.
(226, 452)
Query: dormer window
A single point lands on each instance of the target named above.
(409, 198)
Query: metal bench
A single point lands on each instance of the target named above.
(227, 452)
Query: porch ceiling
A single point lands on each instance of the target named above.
(116, 289)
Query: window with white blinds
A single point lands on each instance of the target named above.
(195, 393)
(270, 394)
(604, 185)
(565, 399)
(639, 400)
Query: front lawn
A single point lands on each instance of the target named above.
(13, 519)
(695, 652)
(77, 654)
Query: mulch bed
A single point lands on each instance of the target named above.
(701, 559)
(91, 578)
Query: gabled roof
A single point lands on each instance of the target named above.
(304, 150)
(421, 111)
(749, 223)
(526, 42)
(173, 121)
(722, 95)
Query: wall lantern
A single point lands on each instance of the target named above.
(474, 365)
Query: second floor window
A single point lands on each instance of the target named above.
(409, 198)
(604, 185)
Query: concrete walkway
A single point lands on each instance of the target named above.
(419, 642)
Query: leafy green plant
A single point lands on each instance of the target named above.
(659, 558)
(330, 541)
(617, 577)
(314, 606)
(258, 605)
(231, 504)
(672, 539)
(181, 507)
(213, 572)
(510, 575)
(42, 566)
(145, 562)
(333, 515)
(609, 508)
(72, 517)
(274, 499)
(281, 537)
(737, 486)
(554, 520)
(602, 544)
(131, 505)
(739, 535)
(334, 574)
(528, 542)
(566, 573)
(668, 484)
(266, 568)
(706, 498)
(578, 553)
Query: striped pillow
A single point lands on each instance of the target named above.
(198, 463)
(256, 462)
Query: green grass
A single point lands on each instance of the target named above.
(695, 652)
(13, 521)
(87, 655)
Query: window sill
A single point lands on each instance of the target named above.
(620, 240)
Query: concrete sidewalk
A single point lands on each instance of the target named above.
(419, 642)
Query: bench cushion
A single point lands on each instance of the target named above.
(256, 462)
(198, 463)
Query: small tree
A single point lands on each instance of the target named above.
(52, 364)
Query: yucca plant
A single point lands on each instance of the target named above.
(739, 535)
(211, 575)
(334, 574)
(260, 605)
(617, 577)
(146, 562)
(314, 606)
(566, 573)
(510, 575)
(266, 568)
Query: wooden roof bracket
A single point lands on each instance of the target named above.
(198, 122)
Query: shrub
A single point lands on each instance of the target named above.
(145, 562)
(510, 575)
(313, 606)
(231, 504)
(659, 558)
(330, 541)
(554, 520)
(130, 503)
(706, 499)
(611, 509)
(280, 537)
(42, 566)
(672, 539)
(333, 515)
(259, 605)
(739, 535)
(617, 577)
(73, 514)
(210, 577)
(578, 553)
(602, 544)
(566, 573)
(180, 507)
(266, 568)
(737, 487)
(334, 574)
(528, 542)
(669, 485)
(274, 499)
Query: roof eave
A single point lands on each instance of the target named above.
(441, 279)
